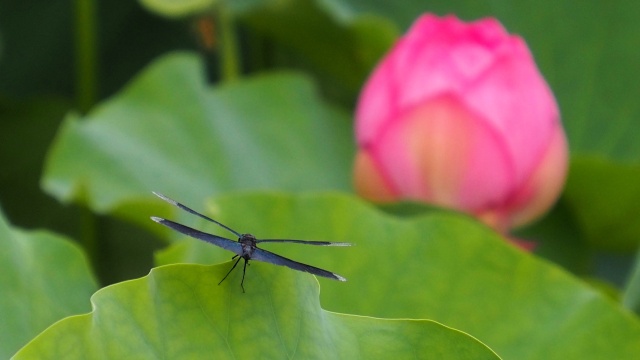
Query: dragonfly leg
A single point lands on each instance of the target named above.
(244, 270)
(233, 267)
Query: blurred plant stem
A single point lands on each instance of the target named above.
(89, 236)
(229, 57)
(86, 58)
(85, 98)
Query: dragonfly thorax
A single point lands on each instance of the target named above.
(248, 243)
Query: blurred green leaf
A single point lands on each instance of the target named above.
(631, 294)
(43, 278)
(178, 8)
(607, 289)
(605, 198)
(167, 130)
(187, 8)
(179, 312)
(439, 266)
(601, 113)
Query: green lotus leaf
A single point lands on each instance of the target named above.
(43, 278)
(180, 312)
(168, 130)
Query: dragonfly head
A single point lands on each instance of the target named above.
(247, 239)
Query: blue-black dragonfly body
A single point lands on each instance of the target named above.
(246, 247)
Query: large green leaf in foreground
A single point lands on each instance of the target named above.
(43, 278)
(180, 312)
(440, 266)
(168, 130)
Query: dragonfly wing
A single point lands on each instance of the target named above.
(267, 256)
(224, 243)
(188, 209)
(306, 242)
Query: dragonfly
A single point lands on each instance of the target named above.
(246, 247)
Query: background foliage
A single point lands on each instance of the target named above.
(100, 103)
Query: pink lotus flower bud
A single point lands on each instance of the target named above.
(458, 115)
